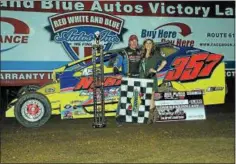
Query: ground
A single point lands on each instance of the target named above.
(73, 141)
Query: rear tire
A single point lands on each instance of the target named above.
(32, 110)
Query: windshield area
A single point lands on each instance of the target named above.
(166, 51)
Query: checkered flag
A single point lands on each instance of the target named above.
(135, 100)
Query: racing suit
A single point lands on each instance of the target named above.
(129, 61)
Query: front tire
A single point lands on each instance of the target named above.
(32, 110)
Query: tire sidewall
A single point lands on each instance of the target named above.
(26, 97)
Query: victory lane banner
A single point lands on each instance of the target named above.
(177, 106)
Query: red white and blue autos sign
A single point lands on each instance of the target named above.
(75, 31)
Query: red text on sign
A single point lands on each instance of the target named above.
(189, 68)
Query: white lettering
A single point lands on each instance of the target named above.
(170, 9)
(205, 11)
(14, 76)
(21, 76)
(41, 75)
(95, 19)
(118, 5)
(3, 4)
(229, 11)
(12, 3)
(128, 8)
(28, 76)
(163, 8)
(1, 77)
(60, 22)
(180, 7)
(24, 76)
(8, 76)
(138, 9)
(49, 76)
(96, 6)
(28, 4)
(153, 7)
(79, 6)
(188, 10)
(197, 9)
(46, 5)
(218, 10)
(109, 7)
(57, 4)
(35, 75)
(67, 5)
(230, 73)
(76, 19)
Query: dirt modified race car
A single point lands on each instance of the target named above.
(71, 96)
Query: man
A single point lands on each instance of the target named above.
(128, 61)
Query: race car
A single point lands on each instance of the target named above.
(70, 93)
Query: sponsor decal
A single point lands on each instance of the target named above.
(171, 114)
(157, 96)
(67, 112)
(75, 31)
(78, 110)
(135, 101)
(87, 82)
(174, 95)
(15, 34)
(50, 90)
(172, 36)
(192, 109)
(196, 92)
(212, 89)
(89, 71)
(196, 101)
(76, 102)
(191, 68)
(68, 106)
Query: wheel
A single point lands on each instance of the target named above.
(32, 110)
(27, 89)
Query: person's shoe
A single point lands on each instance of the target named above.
(119, 124)
(150, 122)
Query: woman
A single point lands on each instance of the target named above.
(150, 58)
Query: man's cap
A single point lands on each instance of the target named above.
(133, 37)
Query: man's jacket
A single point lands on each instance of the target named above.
(128, 61)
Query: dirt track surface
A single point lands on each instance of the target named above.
(74, 141)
